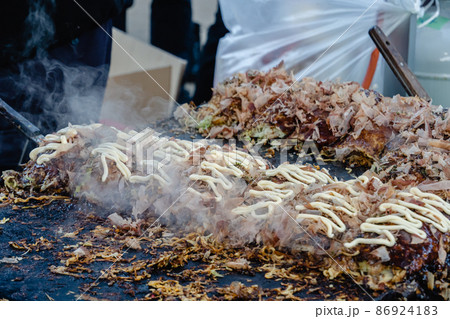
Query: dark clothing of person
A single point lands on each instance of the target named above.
(54, 63)
(27, 26)
(171, 27)
(205, 76)
(45, 90)
(120, 22)
(172, 30)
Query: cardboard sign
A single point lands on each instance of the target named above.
(143, 83)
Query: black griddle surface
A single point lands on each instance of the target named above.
(31, 279)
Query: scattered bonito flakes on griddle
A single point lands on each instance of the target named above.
(405, 140)
(385, 227)
(240, 199)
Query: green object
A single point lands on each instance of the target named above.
(437, 23)
(205, 123)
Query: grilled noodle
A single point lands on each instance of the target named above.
(399, 205)
(333, 208)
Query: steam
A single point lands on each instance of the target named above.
(52, 92)
(183, 211)
(40, 26)
(74, 94)
(52, 95)
(187, 212)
